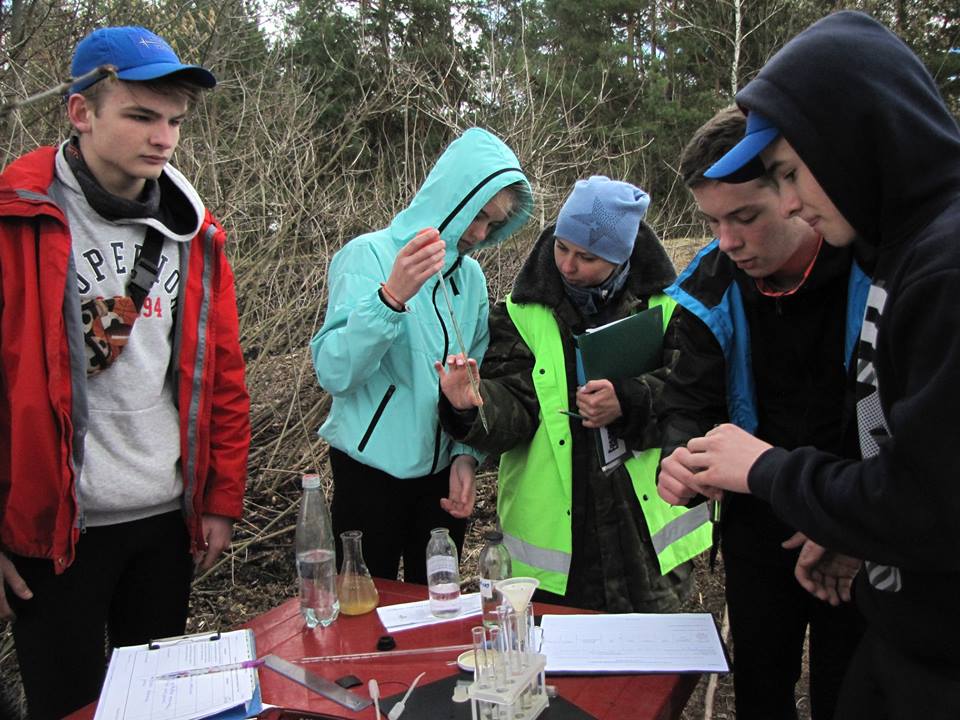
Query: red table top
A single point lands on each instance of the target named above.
(281, 631)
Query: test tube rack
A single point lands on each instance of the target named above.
(523, 695)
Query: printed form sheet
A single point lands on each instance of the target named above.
(406, 616)
(635, 642)
(133, 691)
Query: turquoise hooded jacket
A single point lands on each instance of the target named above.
(378, 363)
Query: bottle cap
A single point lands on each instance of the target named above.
(311, 481)
(386, 642)
(493, 536)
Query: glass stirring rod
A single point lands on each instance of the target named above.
(463, 351)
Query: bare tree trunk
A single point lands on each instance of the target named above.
(737, 42)
(384, 23)
(17, 25)
(901, 18)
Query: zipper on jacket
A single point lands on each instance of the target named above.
(443, 359)
(376, 417)
(456, 291)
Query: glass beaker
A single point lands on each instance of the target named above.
(355, 588)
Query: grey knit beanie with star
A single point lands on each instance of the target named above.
(603, 216)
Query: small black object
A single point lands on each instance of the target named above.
(348, 681)
(386, 642)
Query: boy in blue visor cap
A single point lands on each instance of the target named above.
(868, 154)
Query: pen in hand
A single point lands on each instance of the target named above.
(212, 669)
(568, 413)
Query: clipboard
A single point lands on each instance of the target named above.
(624, 348)
(133, 691)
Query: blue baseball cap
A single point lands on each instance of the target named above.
(136, 53)
(742, 160)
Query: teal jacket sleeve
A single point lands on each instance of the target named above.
(359, 327)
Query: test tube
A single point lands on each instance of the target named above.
(515, 623)
(503, 648)
(479, 656)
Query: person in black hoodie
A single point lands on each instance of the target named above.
(749, 303)
(852, 127)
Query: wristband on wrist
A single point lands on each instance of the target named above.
(392, 298)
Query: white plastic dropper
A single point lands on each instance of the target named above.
(375, 695)
(398, 708)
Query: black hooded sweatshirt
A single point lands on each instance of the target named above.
(865, 116)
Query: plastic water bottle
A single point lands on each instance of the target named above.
(443, 574)
(495, 564)
(316, 557)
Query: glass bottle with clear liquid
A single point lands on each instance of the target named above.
(316, 557)
(355, 588)
(494, 564)
(443, 574)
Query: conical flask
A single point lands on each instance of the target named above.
(355, 588)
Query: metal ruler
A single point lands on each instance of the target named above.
(319, 685)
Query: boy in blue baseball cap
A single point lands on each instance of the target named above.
(868, 154)
(119, 346)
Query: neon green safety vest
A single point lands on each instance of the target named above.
(534, 501)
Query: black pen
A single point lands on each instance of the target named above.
(570, 414)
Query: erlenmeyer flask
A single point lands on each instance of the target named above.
(355, 588)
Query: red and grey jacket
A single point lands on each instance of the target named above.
(42, 374)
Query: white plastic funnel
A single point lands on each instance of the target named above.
(518, 591)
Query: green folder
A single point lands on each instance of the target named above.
(625, 348)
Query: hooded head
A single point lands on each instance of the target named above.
(467, 176)
(866, 118)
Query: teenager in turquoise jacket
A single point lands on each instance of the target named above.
(396, 473)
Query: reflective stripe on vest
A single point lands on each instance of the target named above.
(539, 544)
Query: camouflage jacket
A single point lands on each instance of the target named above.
(614, 567)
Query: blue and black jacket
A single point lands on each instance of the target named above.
(789, 389)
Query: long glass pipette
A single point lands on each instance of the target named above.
(384, 654)
(463, 351)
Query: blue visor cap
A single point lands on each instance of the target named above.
(136, 53)
(743, 158)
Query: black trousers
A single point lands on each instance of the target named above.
(769, 615)
(129, 583)
(395, 515)
(884, 684)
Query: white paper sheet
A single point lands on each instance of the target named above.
(133, 692)
(406, 616)
(635, 642)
